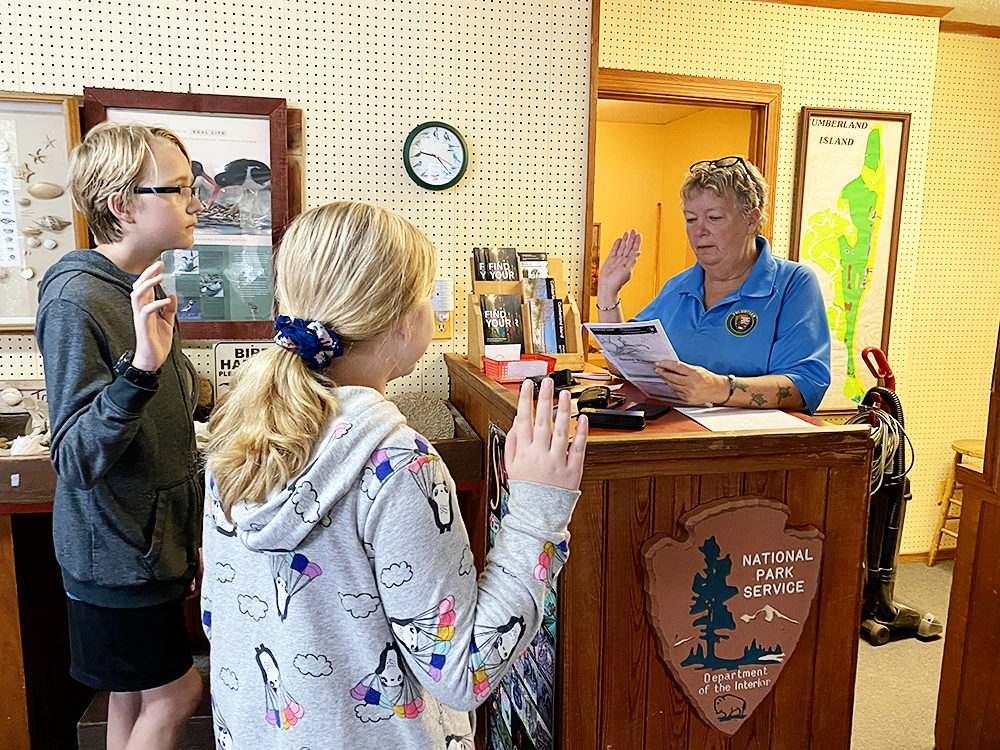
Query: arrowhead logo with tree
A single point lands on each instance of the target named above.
(728, 602)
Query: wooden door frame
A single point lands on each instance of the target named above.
(762, 99)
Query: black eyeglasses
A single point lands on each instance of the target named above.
(186, 192)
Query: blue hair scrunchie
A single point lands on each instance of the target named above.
(318, 346)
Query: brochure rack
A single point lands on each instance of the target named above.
(573, 357)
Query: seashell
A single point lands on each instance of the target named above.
(27, 272)
(45, 190)
(23, 202)
(11, 396)
(33, 242)
(32, 232)
(52, 222)
(50, 244)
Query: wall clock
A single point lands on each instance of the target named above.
(435, 155)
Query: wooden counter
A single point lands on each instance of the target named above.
(615, 691)
(42, 702)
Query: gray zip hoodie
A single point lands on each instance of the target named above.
(126, 510)
(345, 610)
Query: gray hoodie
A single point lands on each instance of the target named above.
(126, 510)
(345, 611)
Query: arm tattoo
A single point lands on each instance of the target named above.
(758, 398)
(784, 391)
(741, 384)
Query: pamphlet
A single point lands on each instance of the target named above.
(634, 349)
(495, 263)
(534, 265)
(501, 318)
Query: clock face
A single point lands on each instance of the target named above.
(435, 155)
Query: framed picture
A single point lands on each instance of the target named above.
(38, 223)
(239, 155)
(845, 226)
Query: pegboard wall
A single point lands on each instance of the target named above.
(956, 291)
(854, 60)
(511, 75)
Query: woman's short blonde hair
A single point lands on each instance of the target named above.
(112, 159)
(355, 268)
(742, 177)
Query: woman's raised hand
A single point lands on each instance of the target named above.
(618, 266)
(537, 450)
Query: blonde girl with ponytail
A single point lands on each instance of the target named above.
(340, 595)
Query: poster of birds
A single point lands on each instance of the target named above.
(227, 275)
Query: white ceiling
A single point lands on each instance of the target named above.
(645, 113)
(969, 11)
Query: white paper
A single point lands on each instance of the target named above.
(634, 349)
(502, 352)
(526, 368)
(730, 419)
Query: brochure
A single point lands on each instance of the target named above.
(633, 349)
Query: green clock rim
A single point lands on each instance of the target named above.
(406, 159)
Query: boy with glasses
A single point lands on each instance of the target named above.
(126, 515)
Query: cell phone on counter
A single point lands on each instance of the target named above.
(651, 411)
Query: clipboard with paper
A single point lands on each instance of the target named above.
(633, 349)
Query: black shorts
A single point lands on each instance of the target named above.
(126, 650)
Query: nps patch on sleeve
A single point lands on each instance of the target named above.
(741, 322)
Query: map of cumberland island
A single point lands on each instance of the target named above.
(842, 239)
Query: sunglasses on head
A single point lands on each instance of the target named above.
(725, 163)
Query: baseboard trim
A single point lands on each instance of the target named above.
(945, 554)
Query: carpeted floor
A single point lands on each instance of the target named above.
(895, 696)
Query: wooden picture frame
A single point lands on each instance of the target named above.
(38, 223)
(244, 252)
(845, 226)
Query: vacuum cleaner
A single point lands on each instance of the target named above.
(882, 615)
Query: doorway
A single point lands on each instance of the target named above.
(627, 107)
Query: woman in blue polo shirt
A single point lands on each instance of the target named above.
(750, 329)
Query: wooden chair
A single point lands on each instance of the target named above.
(949, 487)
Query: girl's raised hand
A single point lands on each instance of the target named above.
(537, 450)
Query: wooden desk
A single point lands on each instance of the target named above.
(615, 691)
(42, 702)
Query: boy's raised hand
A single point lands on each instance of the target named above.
(153, 319)
(537, 451)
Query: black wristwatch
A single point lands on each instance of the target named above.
(142, 378)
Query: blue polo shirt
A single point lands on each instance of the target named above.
(774, 324)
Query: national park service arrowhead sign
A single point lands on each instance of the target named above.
(728, 603)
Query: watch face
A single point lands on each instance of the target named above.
(435, 155)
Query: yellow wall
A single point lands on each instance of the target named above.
(638, 166)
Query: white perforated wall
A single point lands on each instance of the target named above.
(854, 60)
(511, 75)
(956, 285)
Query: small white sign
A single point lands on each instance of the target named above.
(229, 355)
(15, 480)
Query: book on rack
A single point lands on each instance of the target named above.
(538, 288)
(501, 319)
(548, 327)
(534, 265)
(495, 263)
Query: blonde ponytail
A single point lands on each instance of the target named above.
(357, 269)
(260, 428)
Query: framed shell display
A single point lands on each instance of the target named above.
(38, 222)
